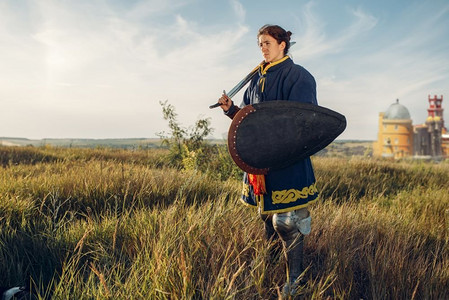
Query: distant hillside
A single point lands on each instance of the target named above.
(339, 148)
(345, 148)
(84, 143)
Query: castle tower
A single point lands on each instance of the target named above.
(435, 123)
(435, 110)
(430, 138)
(395, 137)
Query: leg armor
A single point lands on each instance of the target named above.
(270, 233)
(273, 238)
(291, 227)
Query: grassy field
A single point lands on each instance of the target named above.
(122, 224)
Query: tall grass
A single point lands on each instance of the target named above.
(116, 224)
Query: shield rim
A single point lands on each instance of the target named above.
(237, 120)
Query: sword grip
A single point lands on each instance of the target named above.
(214, 105)
(239, 86)
(217, 104)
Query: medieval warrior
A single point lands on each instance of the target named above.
(282, 195)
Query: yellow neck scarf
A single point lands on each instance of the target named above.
(264, 68)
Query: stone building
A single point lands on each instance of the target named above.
(398, 137)
(395, 135)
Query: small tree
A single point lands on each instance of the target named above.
(187, 146)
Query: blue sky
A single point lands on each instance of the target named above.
(98, 68)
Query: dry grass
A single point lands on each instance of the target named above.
(94, 224)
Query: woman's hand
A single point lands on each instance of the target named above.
(225, 102)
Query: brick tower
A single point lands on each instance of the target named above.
(435, 125)
(435, 109)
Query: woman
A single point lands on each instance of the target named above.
(282, 195)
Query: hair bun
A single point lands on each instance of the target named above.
(289, 34)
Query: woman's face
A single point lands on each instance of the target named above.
(271, 50)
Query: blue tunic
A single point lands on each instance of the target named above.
(292, 187)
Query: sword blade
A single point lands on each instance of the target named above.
(239, 85)
(242, 82)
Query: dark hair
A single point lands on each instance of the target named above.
(278, 33)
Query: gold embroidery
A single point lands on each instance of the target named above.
(245, 190)
(288, 196)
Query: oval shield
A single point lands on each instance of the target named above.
(276, 134)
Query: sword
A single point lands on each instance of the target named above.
(242, 83)
(239, 86)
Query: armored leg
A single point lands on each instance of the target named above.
(270, 233)
(291, 227)
(272, 237)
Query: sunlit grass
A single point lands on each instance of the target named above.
(117, 224)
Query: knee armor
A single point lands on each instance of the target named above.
(289, 224)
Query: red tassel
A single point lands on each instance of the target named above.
(258, 183)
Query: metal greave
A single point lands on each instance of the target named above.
(294, 250)
(285, 227)
(273, 238)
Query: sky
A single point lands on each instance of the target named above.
(100, 68)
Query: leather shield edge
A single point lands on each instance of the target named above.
(232, 140)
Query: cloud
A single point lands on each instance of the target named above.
(239, 10)
(99, 63)
(315, 41)
(100, 68)
(366, 63)
(149, 8)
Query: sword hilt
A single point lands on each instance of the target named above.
(242, 83)
(218, 104)
(239, 86)
(214, 105)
